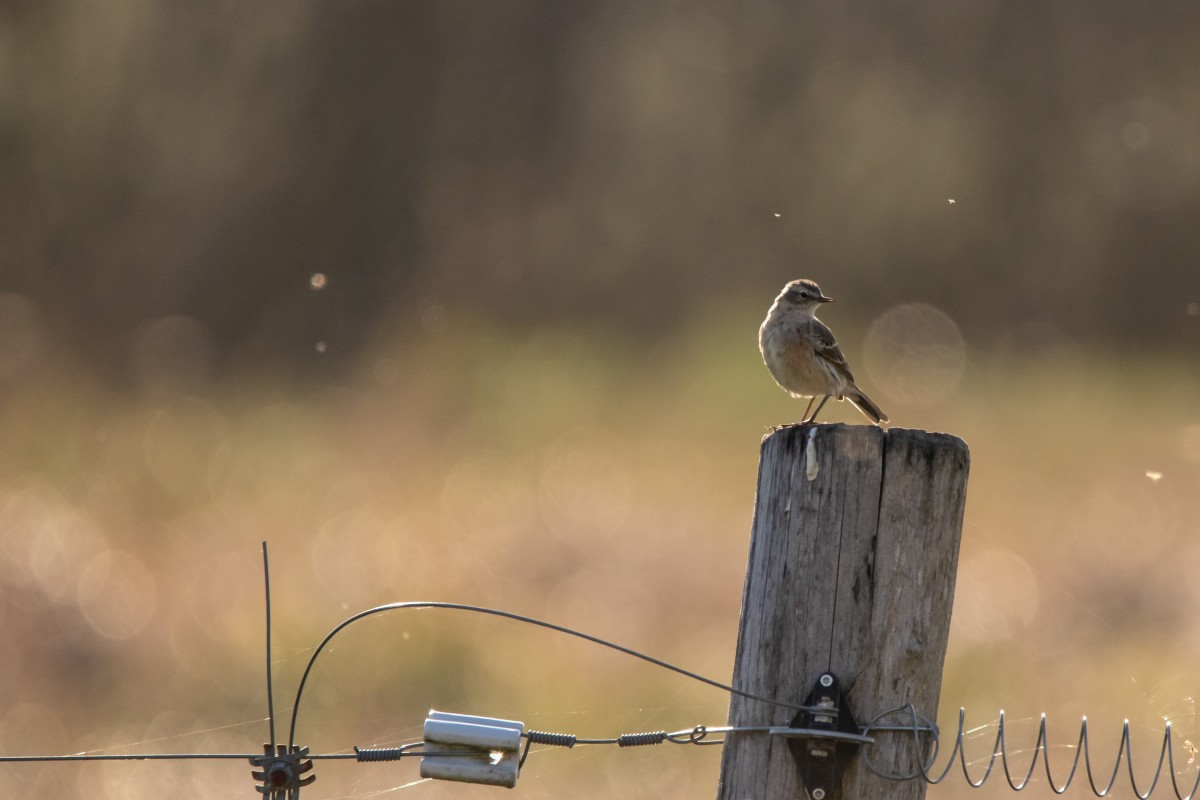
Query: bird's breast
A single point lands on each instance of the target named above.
(791, 360)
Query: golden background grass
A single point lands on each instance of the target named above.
(451, 302)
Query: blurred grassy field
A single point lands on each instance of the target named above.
(457, 301)
(573, 477)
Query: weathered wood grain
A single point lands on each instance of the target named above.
(853, 553)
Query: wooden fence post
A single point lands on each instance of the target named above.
(853, 553)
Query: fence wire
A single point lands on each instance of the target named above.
(284, 769)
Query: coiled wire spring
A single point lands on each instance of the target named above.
(927, 741)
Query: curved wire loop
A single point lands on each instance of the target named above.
(517, 618)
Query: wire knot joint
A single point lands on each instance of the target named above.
(282, 772)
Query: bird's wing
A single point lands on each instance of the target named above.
(825, 346)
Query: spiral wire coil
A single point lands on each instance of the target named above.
(927, 743)
(926, 740)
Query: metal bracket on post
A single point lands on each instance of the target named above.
(823, 738)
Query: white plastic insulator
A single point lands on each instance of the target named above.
(490, 749)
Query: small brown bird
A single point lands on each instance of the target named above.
(803, 356)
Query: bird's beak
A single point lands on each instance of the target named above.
(824, 299)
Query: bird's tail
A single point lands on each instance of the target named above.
(866, 406)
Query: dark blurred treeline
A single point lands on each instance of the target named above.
(621, 164)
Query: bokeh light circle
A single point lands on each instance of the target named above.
(1144, 155)
(997, 596)
(585, 486)
(117, 595)
(916, 354)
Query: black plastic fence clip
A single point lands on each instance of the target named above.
(823, 738)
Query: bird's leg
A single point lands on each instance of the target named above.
(824, 399)
(807, 408)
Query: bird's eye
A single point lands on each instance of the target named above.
(804, 295)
